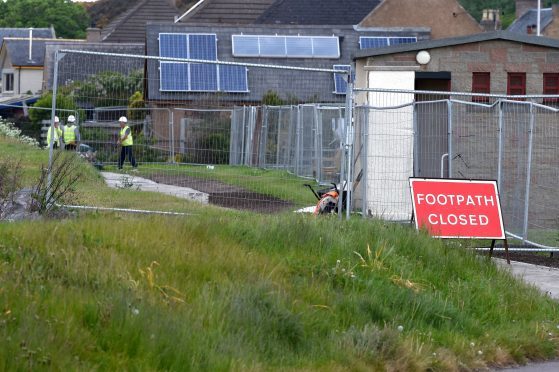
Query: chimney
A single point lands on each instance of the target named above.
(31, 44)
(93, 35)
(491, 20)
(522, 6)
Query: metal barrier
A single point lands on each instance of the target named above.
(401, 134)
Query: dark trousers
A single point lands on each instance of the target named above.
(126, 150)
(70, 147)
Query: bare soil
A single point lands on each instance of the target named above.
(542, 259)
(227, 196)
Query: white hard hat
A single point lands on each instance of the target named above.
(71, 119)
(123, 119)
(56, 119)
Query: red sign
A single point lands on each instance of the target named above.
(457, 208)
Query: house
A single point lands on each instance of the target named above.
(279, 44)
(22, 60)
(471, 137)
(445, 18)
(526, 21)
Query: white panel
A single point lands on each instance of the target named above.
(390, 146)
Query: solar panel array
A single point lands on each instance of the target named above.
(366, 42)
(197, 77)
(277, 46)
(340, 84)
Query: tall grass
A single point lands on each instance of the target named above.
(226, 290)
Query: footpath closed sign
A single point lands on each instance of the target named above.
(457, 208)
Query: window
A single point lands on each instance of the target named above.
(9, 82)
(276, 46)
(366, 42)
(197, 77)
(516, 84)
(551, 87)
(481, 83)
(340, 80)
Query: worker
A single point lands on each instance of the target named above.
(125, 140)
(71, 134)
(56, 135)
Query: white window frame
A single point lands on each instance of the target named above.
(5, 81)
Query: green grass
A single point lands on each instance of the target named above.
(238, 291)
(224, 290)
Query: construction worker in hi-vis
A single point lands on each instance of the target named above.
(56, 135)
(126, 141)
(71, 134)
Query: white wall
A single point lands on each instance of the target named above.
(31, 79)
(390, 146)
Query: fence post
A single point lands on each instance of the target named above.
(364, 165)
(528, 173)
(263, 139)
(298, 141)
(318, 142)
(172, 130)
(450, 155)
(350, 141)
(415, 151)
(500, 156)
(57, 57)
(278, 139)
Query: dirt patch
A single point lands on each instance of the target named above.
(227, 196)
(542, 259)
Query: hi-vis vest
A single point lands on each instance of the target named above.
(128, 141)
(69, 134)
(57, 133)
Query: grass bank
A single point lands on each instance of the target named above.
(238, 291)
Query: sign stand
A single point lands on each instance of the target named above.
(506, 244)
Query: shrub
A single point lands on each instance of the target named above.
(8, 129)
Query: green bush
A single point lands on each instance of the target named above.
(44, 105)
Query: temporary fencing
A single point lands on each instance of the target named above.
(248, 135)
(402, 134)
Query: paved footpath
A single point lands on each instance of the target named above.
(547, 280)
(125, 181)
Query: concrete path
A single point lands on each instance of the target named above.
(130, 181)
(545, 278)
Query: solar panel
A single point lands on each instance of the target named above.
(173, 76)
(203, 77)
(245, 46)
(340, 84)
(366, 42)
(326, 47)
(173, 45)
(275, 46)
(402, 40)
(202, 46)
(233, 78)
(197, 77)
(272, 46)
(299, 46)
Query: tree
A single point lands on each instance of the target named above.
(507, 7)
(44, 103)
(69, 19)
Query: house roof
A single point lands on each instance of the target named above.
(47, 33)
(530, 18)
(18, 50)
(130, 26)
(228, 11)
(441, 43)
(318, 12)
